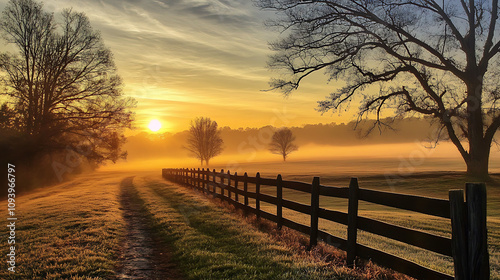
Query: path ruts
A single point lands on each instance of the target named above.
(144, 256)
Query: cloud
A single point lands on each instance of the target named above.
(204, 54)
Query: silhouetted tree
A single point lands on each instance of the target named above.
(434, 58)
(204, 140)
(62, 88)
(63, 82)
(282, 143)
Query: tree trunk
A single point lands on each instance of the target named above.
(477, 165)
(479, 150)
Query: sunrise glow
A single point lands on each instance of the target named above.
(154, 125)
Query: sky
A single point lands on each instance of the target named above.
(182, 59)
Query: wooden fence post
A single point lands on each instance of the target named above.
(245, 191)
(459, 234)
(257, 194)
(214, 184)
(279, 204)
(352, 221)
(193, 176)
(236, 186)
(229, 185)
(222, 184)
(203, 180)
(199, 179)
(479, 265)
(313, 235)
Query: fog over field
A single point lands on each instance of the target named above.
(337, 149)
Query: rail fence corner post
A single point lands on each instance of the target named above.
(279, 204)
(257, 195)
(352, 221)
(458, 217)
(479, 265)
(313, 235)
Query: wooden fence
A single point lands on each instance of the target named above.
(468, 245)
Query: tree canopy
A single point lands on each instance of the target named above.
(400, 57)
(282, 143)
(61, 87)
(204, 141)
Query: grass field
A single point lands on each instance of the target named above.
(431, 185)
(75, 230)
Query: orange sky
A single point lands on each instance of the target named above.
(186, 58)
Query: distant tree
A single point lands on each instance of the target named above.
(282, 143)
(62, 88)
(204, 141)
(430, 58)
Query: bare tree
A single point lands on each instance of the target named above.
(204, 140)
(62, 83)
(282, 143)
(427, 57)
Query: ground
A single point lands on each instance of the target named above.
(135, 225)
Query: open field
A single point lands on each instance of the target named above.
(436, 185)
(76, 230)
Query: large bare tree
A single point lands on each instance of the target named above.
(401, 57)
(62, 83)
(282, 143)
(204, 141)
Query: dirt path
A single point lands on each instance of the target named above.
(144, 256)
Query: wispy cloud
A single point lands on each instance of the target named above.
(199, 52)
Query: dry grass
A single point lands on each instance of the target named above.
(70, 231)
(74, 231)
(211, 242)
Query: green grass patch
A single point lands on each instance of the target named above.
(210, 242)
(70, 231)
(431, 185)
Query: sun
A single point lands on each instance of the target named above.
(154, 125)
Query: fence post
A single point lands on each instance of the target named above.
(229, 185)
(202, 182)
(222, 184)
(279, 204)
(459, 234)
(245, 191)
(313, 235)
(193, 176)
(352, 221)
(257, 194)
(198, 184)
(236, 186)
(479, 266)
(214, 184)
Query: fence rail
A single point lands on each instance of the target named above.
(468, 245)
